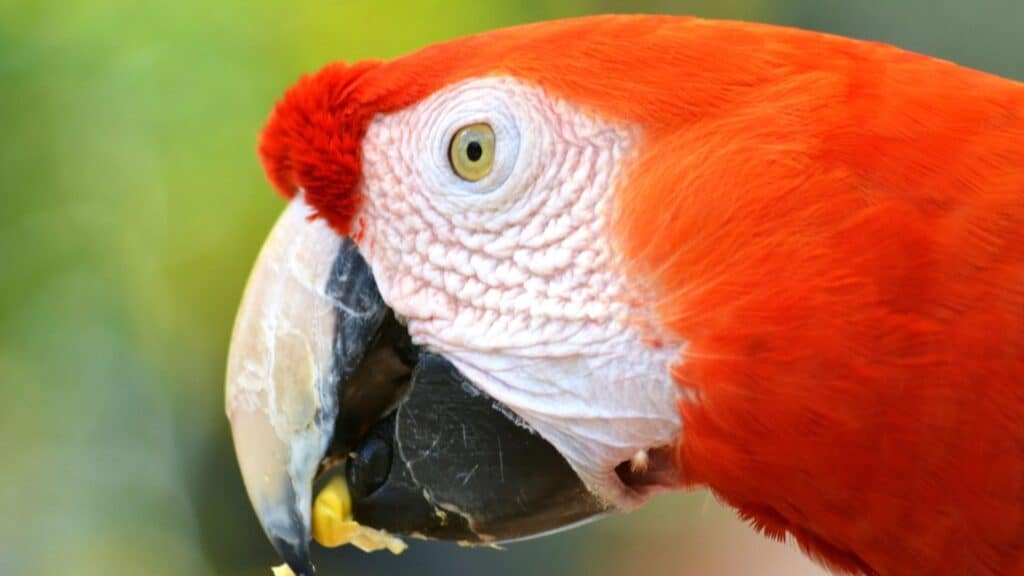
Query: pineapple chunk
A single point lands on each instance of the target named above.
(333, 525)
(282, 570)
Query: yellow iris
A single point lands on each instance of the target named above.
(472, 152)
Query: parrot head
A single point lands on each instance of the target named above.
(533, 276)
(442, 311)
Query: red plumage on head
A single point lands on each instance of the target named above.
(311, 141)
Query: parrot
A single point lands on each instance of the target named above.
(537, 275)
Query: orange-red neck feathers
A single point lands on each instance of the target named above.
(842, 248)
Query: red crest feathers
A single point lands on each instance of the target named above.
(311, 141)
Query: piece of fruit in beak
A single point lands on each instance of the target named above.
(325, 388)
(334, 526)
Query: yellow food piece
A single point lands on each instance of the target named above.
(333, 525)
(332, 515)
(282, 570)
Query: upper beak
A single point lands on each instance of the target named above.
(323, 378)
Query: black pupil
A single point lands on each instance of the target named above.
(474, 151)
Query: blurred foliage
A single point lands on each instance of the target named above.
(131, 208)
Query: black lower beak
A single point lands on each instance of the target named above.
(424, 451)
(450, 463)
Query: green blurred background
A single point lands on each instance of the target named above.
(131, 207)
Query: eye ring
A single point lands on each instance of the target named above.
(471, 151)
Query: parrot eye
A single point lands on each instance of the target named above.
(471, 152)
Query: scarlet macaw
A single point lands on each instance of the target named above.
(534, 275)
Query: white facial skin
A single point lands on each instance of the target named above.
(514, 277)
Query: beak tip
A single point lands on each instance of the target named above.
(295, 555)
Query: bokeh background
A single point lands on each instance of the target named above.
(131, 207)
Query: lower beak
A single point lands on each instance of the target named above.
(323, 381)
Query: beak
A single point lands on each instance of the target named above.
(324, 381)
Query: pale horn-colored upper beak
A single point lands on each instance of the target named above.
(280, 394)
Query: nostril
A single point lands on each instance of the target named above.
(369, 467)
